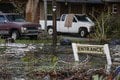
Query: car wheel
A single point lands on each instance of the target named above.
(15, 35)
(50, 31)
(83, 32)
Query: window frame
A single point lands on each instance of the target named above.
(114, 8)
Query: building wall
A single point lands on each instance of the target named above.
(13, 6)
(75, 8)
(64, 8)
(114, 8)
(80, 8)
(49, 12)
(118, 9)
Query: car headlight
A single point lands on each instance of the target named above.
(23, 29)
(39, 28)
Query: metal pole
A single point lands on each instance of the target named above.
(54, 23)
(45, 16)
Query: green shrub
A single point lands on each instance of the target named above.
(107, 27)
(114, 24)
(101, 28)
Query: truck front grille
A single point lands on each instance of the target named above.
(32, 28)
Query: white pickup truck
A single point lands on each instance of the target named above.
(70, 23)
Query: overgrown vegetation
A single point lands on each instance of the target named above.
(101, 28)
(114, 24)
(107, 27)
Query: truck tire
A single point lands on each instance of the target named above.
(50, 31)
(83, 32)
(15, 35)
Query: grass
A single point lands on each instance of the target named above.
(28, 41)
(36, 41)
(24, 41)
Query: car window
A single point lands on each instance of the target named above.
(2, 18)
(63, 17)
(49, 17)
(58, 19)
(74, 20)
(15, 18)
(82, 18)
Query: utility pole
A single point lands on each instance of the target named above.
(45, 15)
(54, 23)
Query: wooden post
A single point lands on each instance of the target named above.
(54, 7)
(45, 16)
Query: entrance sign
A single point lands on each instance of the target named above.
(92, 49)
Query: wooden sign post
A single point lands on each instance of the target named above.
(92, 49)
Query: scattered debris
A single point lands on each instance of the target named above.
(47, 77)
(65, 42)
(9, 40)
(60, 68)
(115, 42)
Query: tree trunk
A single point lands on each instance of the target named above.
(29, 8)
(32, 11)
(35, 11)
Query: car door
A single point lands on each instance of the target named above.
(61, 24)
(3, 25)
(74, 28)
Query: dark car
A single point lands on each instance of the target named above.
(14, 25)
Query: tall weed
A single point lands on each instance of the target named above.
(101, 28)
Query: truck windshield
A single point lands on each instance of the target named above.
(15, 18)
(82, 18)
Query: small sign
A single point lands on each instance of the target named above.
(92, 49)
